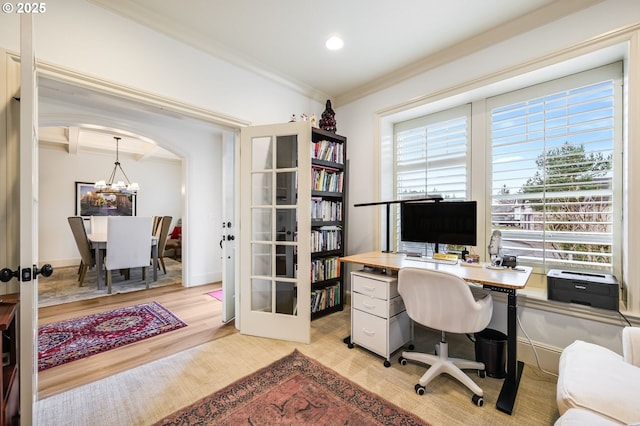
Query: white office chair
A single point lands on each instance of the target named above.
(128, 245)
(444, 301)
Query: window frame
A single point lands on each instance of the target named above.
(613, 71)
(438, 117)
(479, 151)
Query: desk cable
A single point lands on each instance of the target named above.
(535, 353)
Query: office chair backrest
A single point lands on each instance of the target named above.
(128, 242)
(443, 301)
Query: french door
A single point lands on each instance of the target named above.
(275, 193)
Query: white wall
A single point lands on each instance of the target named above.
(160, 180)
(359, 121)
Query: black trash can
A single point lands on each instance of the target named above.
(491, 348)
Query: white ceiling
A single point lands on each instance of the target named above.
(384, 40)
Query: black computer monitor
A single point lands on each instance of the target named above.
(443, 222)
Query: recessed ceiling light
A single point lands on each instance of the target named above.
(334, 43)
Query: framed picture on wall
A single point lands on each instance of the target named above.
(90, 203)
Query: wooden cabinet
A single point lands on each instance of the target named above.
(10, 379)
(379, 320)
(328, 206)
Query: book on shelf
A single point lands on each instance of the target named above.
(328, 151)
(325, 269)
(325, 298)
(326, 179)
(325, 210)
(326, 238)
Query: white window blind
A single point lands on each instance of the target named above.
(553, 151)
(431, 157)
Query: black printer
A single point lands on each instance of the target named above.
(590, 288)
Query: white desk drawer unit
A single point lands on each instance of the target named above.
(379, 321)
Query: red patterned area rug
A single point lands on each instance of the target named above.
(65, 341)
(294, 390)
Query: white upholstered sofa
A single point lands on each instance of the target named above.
(597, 386)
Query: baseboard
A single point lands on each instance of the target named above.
(548, 357)
(62, 263)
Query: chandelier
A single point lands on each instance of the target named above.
(119, 187)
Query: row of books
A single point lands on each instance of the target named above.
(326, 238)
(325, 298)
(325, 210)
(325, 269)
(326, 179)
(328, 151)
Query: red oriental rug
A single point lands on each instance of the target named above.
(294, 390)
(65, 341)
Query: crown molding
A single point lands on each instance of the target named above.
(544, 15)
(188, 35)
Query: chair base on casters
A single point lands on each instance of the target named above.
(443, 364)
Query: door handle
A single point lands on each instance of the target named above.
(7, 274)
(45, 271)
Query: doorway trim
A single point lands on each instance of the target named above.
(129, 93)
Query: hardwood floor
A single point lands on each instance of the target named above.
(193, 305)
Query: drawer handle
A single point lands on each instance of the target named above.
(368, 333)
(369, 288)
(368, 306)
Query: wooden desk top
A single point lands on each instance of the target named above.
(477, 273)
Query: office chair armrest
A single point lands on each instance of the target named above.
(631, 345)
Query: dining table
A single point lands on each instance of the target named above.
(98, 243)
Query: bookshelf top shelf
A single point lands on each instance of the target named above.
(319, 134)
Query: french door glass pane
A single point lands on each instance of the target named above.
(261, 295)
(287, 152)
(286, 225)
(261, 224)
(287, 191)
(262, 155)
(286, 298)
(286, 261)
(261, 259)
(262, 189)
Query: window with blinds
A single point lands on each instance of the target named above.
(552, 150)
(431, 157)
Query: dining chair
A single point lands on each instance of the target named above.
(98, 224)
(157, 220)
(87, 256)
(128, 245)
(162, 234)
(173, 244)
